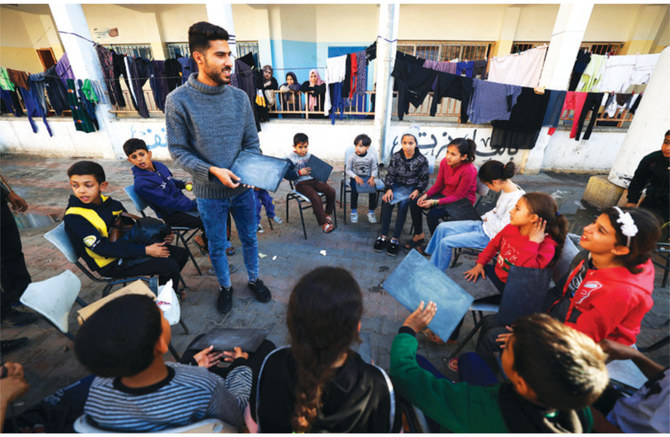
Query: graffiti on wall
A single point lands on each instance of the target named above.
(433, 142)
(153, 137)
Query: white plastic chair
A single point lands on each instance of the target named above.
(84, 426)
(53, 299)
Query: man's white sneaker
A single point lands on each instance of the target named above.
(371, 217)
(354, 217)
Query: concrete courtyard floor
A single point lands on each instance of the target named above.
(49, 358)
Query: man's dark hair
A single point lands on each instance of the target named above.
(564, 367)
(133, 145)
(201, 33)
(118, 340)
(300, 138)
(364, 139)
(81, 168)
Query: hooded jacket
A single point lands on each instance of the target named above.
(88, 227)
(161, 191)
(610, 303)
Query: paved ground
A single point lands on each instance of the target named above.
(49, 359)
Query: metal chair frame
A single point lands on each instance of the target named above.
(300, 198)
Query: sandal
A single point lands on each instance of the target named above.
(411, 244)
(329, 219)
(201, 244)
(230, 251)
(432, 336)
(452, 364)
(327, 228)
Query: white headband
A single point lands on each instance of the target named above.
(628, 227)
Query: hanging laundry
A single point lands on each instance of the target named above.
(414, 82)
(89, 91)
(82, 122)
(616, 74)
(106, 59)
(523, 127)
(38, 90)
(591, 103)
(609, 104)
(644, 66)
(574, 100)
(491, 101)
(88, 103)
(18, 78)
(11, 103)
(445, 67)
(5, 83)
(466, 67)
(361, 73)
(158, 83)
(454, 86)
(346, 83)
(592, 73)
(353, 74)
(139, 71)
(522, 69)
(479, 68)
(56, 91)
(188, 66)
(172, 74)
(336, 69)
(63, 69)
(554, 109)
(245, 81)
(623, 100)
(120, 70)
(33, 109)
(635, 102)
(583, 59)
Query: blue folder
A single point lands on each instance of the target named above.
(416, 279)
(365, 188)
(258, 170)
(400, 193)
(320, 169)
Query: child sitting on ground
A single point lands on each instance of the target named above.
(553, 374)
(318, 383)
(523, 242)
(263, 199)
(135, 390)
(361, 168)
(154, 183)
(89, 219)
(307, 185)
(474, 233)
(407, 170)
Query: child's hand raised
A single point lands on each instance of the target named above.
(358, 180)
(473, 273)
(536, 233)
(421, 317)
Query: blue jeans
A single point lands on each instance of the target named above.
(213, 213)
(465, 233)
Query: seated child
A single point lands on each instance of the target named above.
(318, 384)
(408, 169)
(154, 183)
(308, 186)
(263, 199)
(553, 374)
(89, 218)
(361, 167)
(474, 233)
(135, 390)
(524, 242)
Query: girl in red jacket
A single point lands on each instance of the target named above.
(456, 179)
(609, 291)
(534, 238)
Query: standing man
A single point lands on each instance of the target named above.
(208, 122)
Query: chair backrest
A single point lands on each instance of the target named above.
(59, 238)
(138, 202)
(53, 298)
(525, 291)
(562, 266)
(84, 426)
(347, 153)
(431, 163)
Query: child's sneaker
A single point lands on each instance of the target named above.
(394, 247)
(380, 244)
(371, 217)
(277, 220)
(259, 228)
(354, 217)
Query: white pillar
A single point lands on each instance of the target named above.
(85, 63)
(388, 30)
(221, 14)
(650, 122)
(276, 44)
(569, 28)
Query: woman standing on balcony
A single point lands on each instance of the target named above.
(290, 101)
(316, 89)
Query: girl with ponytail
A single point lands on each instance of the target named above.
(319, 384)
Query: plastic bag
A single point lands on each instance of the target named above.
(167, 301)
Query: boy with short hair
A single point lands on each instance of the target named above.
(554, 372)
(135, 390)
(307, 185)
(89, 218)
(361, 167)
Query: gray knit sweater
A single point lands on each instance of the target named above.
(207, 126)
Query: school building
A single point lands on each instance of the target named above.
(300, 37)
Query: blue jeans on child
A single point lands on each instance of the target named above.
(465, 233)
(263, 199)
(243, 210)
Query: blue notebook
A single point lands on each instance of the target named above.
(258, 170)
(400, 193)
(320, 169)
(416, 279)
(365, 188)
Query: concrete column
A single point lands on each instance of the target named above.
(569, 28)
(85, 64)
(221, 14)
(388, 30)
(508, 31)
(645, 31)
(275, 24)
(650, 122)
(157, 47)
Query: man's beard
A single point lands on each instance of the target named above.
(216, 77)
